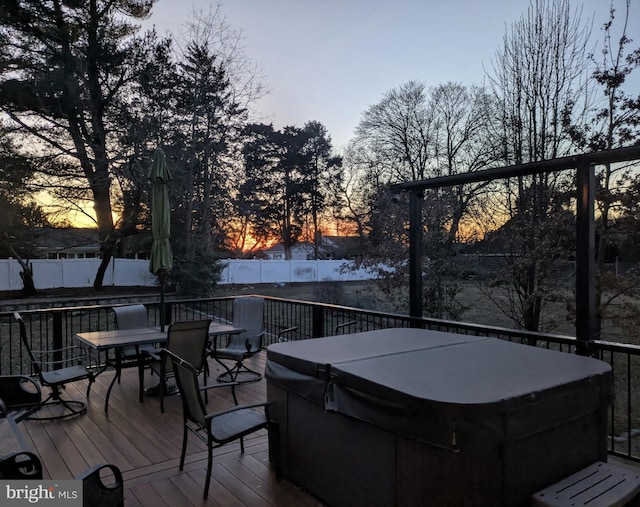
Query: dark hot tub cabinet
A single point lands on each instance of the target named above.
(416, 417)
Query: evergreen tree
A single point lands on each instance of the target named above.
(63, 68)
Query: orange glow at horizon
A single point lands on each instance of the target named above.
(80, 216)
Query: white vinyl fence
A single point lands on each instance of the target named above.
(68, 273)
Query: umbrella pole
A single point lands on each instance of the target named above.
(162, 316)
(162, 387)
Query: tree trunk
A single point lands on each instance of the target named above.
(102, 269)
(28, 286)
(106, 228)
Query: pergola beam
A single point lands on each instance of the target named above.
(544, 166)
(586, 325)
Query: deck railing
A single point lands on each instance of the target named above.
(56, 327)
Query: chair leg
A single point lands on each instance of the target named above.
(27, 414)
(228, 375)
(91, 381)
(209, 463)
(163, 387)
(256, 376)
(239, 369)
(69, 405)
(140, 382)
(73, 407)
(185, 435)
(206, 391)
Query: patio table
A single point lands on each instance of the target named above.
(116, 339)
(416, 417)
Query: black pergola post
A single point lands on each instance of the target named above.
(586, 329)
(317, 327)
(415, 253)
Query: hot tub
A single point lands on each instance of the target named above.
(418, 417)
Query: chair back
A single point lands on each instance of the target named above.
(25, 342)
(248, 313)
(19, 391)
(187, 381)
(188, 340)
(131, 316)
(97, 491)
(20, 465)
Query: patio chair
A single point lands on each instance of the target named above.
(55, 374)
(134, 317)
(103, 485)
(286, 334)
(187, 339)
(19, 393)
(346, 325)
(214, 429)
(20, 465)
(248, 313)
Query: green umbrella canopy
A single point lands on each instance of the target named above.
(161, 260)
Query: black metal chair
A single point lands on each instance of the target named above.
(214, 429)
(248, 313)
(134, 317)
(19, 394)
(102, 486)
(341, 327)
(188, 340)
(20, 465)
(286, 334)
(55, 375)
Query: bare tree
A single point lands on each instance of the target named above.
(539, 74)
(399, 130)
(463, 115)
(354, 191)
(413, 134)
(614, 122)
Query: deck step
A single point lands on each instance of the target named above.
(598, 485)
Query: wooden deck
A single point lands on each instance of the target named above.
(145, 445)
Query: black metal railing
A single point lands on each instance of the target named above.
(56, 327)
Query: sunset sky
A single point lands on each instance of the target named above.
(329, 60)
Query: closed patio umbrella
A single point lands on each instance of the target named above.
(161, 260)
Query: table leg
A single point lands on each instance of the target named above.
(118, 366)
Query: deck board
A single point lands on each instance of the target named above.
(145, 445)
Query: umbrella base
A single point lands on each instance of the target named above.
(169, 390)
